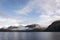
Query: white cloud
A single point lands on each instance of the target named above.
(45, 20)
(27, 9)
(56, 17)
(50, 9)
(5, 22)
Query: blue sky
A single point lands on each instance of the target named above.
(16, 12)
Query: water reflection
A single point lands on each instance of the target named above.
(56, 36)
(29, 36)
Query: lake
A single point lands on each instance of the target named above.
(29, 35)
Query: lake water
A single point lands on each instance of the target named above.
(29, 36)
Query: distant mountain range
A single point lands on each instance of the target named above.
(32, 27)
(54, 27)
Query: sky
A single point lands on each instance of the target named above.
(24, 12)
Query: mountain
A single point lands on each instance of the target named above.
(20, 27)
(13, 28)
(34, 27)
(54, 27)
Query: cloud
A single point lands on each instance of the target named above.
(5, 22)
(45, 20)
(49, 10)
(26, 9)
(2, 13)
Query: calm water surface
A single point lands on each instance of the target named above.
(29, 36)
